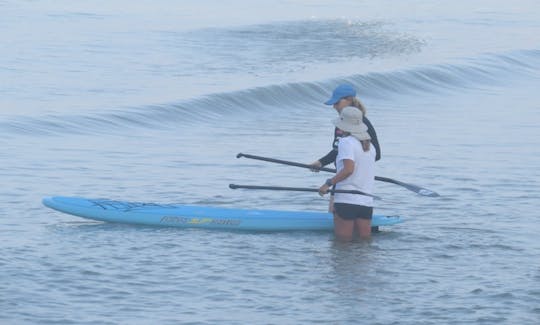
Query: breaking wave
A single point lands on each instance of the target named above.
(479, 72)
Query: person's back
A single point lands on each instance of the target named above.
(355, 171)
(363, 177)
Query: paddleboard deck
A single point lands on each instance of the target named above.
(193, 216)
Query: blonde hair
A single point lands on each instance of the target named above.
(358, 104)
(366, 144)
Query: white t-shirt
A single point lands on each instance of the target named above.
(363, 177)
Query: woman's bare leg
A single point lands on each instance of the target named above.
(363, 226)
(343, 229)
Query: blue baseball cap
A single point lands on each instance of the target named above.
(343, 90)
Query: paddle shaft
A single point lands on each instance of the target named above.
(284, 162)
(296, 189)
(415, 188)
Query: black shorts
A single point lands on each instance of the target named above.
(349, 211)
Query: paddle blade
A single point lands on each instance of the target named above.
(411, 187)
(426, 192)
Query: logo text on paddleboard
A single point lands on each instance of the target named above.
(199, 221)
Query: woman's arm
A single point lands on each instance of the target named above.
(348, 169)
(329, 158)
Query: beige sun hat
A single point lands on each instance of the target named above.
(350, 120)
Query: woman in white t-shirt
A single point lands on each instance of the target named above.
(355, 164)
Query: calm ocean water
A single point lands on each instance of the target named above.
(151, 101)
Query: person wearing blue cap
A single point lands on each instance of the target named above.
(343, 96)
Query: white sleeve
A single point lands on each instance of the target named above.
(345, 150)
